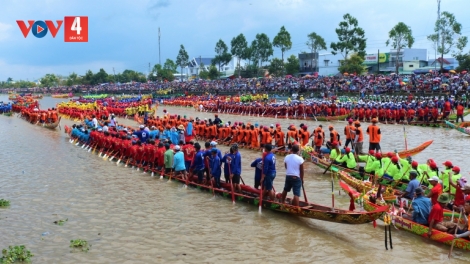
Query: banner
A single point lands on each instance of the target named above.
(372, 58)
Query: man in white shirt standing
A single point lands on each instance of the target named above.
(94, 121)
(294, 175)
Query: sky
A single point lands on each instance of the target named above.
(123, 34)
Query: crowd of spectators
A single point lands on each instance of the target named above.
(365, 84)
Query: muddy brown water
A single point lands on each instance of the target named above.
(130, 217)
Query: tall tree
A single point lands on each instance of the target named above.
(316, 43)
(282, 41)
(238, 49)
(353, 64)
(292, 65)
(170, 65)
(222, 56)
(400, 37)
(213, 73)
(261, 48)
(182, 59)
(351, 38)
(276, 67)
(100, 77)
(448, 32)
(9, 80)
(49, 80)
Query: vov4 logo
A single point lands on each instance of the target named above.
(75, 28)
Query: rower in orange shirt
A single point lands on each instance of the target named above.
(304, 135)
(279, 138)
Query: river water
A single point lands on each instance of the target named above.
(130, 217)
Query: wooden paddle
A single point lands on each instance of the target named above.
(262, 189)
(455, 233)
(329, 166)
(231, 184)
(303, 189)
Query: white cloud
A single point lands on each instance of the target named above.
(19, 71)
(5, 30)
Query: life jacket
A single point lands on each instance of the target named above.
(374, 136)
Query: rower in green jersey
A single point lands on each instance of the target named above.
(348, 160)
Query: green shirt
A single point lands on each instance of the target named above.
(369, 161)
(445, 179)
(349, 159)
(334, 154)
(168, 157)
(394, 171)
(378, 168)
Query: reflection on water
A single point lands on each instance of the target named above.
(129, 217)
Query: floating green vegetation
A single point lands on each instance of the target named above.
(80, 244)
(16, 254)
(61, 222)
(4, 203)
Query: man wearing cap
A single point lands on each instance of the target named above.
(358, 139)
(142, 134)
(421, 208)
(349, 132)
(215, 166)
(454, 176)
(178, 162)
(334, 137)
(436, 189)
(374, 135)
(348, 159)
(444, 177)
(459, 195)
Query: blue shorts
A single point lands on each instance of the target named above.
(268, 181)
(293, 183)
(187, 163)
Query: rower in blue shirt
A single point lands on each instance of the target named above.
(198, 163)
(269, 171)
(236, 168)
(215, 167)
(258, 165)
(226, 161)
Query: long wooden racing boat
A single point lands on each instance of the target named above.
(250, 195)
(48, 125)
(403, 153)
(458, 128)
(421, 230)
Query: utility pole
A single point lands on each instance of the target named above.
(378, 65)
(114, 74)
(149, 68)
(159, 58)
(437, 41)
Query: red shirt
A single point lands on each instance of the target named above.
(460, 110)
(436, 191)
(459, 197)
(447, 106)
(189, 152)
(436, 214)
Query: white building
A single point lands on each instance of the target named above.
(194, 66)
(328, 64)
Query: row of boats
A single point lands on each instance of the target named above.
(369, 211)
